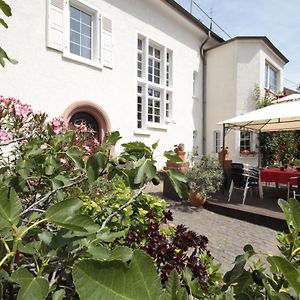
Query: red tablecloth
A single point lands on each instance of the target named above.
(278, 176)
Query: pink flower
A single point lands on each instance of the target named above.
(87, 148)
(95, 142)
(63, 161)
(22, 110)
(57, 130)
(4, 135)
(44, 146)
(55, 123)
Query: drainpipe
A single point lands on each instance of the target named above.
(204, 102)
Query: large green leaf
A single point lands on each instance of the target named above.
(3, 55)
(289, 271)
(31, 287)
(174, 291)
(113, 137)
(3, 23)
(95, 280)
(291, 211)
(121, 253)
(63, 210)
(5, 8)
(64, 214)
(146, 169)
(10, 207)
(179, 182)
(95, 164)
(59, 295)
(172, 156)
(75, 154)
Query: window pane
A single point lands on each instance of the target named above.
(140, 44)
(75, 25)
(139, 89)
(85, 18)
(150, 50)
(85, 30)
(74, 48)
(75, 37)
(157, 53)
(85, 41)
(85, 52)
(74, 13)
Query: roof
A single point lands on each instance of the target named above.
(192, 19)
(283, 115)
(264, 39)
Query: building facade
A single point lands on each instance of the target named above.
(134, 66)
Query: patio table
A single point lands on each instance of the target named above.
(277, 176)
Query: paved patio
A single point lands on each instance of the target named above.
(227, 236)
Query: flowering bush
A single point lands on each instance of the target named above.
(59, 239)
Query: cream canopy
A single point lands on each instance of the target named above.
(284, 114)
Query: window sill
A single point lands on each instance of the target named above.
(141, 132)
(82, 60)
(157, 126)
(195, 97)
(168, 121)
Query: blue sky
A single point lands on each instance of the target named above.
(277, 19)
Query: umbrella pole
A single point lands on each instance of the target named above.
(223, 160)
(259, 150)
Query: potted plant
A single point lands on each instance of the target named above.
(223, 154)
(179, 150)
(203, 179)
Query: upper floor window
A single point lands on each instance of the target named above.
(271, 77)
(154, 95)
(80, 33)
(154, 64)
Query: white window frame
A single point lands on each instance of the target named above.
(216, 141)
(195, 85)
(96, 42)
(166, 91)
(268, 68)
(242, 141)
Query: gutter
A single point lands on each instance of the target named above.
(204, 100)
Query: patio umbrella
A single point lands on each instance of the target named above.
(284, 114)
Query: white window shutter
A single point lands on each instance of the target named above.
(107, 44)
(55, 24)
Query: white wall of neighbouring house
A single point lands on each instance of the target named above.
(233, 71)
(51, 82)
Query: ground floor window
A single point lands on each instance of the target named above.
(154, 106)
(245, 141)
(216, 141)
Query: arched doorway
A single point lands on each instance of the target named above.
(91, 114)
(88, 120)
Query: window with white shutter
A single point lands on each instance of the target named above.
(55, 24)
(80, 31)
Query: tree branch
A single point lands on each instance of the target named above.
(116, 212)
(16, 140)
(48, 195)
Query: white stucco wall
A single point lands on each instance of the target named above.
(233, 71)
(51, 83)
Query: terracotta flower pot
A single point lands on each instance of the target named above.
(196, 199)
(181, 155)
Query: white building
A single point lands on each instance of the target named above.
(134, 66)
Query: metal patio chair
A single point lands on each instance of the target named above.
(243, 178)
